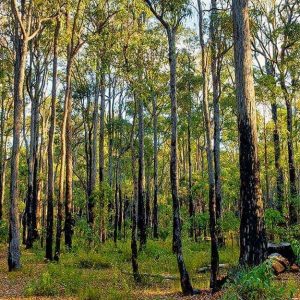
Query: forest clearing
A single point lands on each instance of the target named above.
(149, 149)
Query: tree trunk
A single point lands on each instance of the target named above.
(215, 69)
(277, 151)
(268, 199)
(50, 186)
(21, 46)
(141, 174)
(2, 155)
(292, 170)
(155, 167)
(252, 229)
(101, 150)
(186, 285)
(33, 162)
(69, 165)
(134, 248)
(210, 162)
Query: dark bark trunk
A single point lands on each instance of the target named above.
(191, 204)
(277, 152)
(186, 285)
(252, 229)
(50, 187)
(293, 216)
(215, 70)
(155, 167)
(134, 232)
(21, 48)
(266, 160)
(141, 173)
(101, 151)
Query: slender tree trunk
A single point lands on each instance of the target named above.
(252, 229)
(21, 46)
(134, 231)
(292, 170)
(191, 204)
(141, 174)
(69, 166)
(50, 185)
(277, 151)
(215, 69)
(268, 199)
(33, 164)
(186, 285)
(2, 155)
(155, 167)
(210, 162)
(101, 150)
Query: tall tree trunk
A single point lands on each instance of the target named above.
(191, 204)
(50, 185)
(141, 174)
(268, 199)
(215, 70)
(277, 151)
(69, 165)
(21, 47)
(252, 229)
(134, 231)
(2, 154)
(292, 170)
(210, 162)
(101, 149)
(92, 165)
(155, 167)
(33, 162)
(186, 285)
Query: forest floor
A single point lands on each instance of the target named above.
(105, 274)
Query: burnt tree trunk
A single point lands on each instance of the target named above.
(50, 186)
(252, 229)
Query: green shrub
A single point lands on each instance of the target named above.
(255, 284)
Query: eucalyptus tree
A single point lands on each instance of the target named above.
(170, 15)
(252, 229)
(24, 32)
(210, 159)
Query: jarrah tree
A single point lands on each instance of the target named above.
(178, 12)
(252, 228)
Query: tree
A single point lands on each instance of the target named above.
(210, 162)
(50, 191)
(252, 229)
(177, 12)
(22, 35)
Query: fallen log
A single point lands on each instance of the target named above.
(207, 269)
(284, 249)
